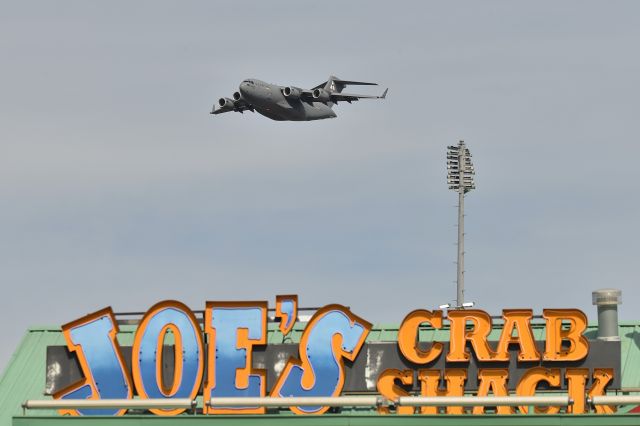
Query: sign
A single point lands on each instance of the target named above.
(174, 356)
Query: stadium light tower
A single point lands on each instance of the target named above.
(460, 174)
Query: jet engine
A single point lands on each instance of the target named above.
(321, 95)
(292, 92)
(237, 96)
(226, 103)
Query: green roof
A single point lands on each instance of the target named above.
(24, 376)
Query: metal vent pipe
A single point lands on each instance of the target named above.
(607, 301)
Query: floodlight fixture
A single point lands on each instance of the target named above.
(460, 173)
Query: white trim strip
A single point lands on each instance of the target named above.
(615, 400)
(58, 404)
(471, 401)
(337, 401)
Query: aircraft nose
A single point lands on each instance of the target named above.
(244, 89)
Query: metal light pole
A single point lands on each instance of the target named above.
(460, 174)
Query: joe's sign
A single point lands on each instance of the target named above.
(174, 356)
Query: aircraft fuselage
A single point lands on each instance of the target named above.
(268, 100)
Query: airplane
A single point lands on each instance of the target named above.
(289, 103)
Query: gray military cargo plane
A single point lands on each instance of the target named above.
(291, 103)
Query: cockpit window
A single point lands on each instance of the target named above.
(249, 81)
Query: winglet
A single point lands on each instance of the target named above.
(384, 94)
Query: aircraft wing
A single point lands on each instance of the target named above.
(233, 106)
(307, 96)
(346, 97)
(344, 83)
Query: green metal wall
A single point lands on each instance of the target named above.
(337, 420)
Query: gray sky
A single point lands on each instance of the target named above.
(118, 188)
